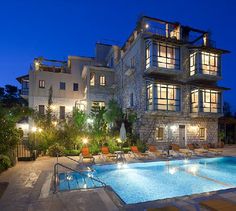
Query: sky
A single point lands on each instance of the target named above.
(55, 29)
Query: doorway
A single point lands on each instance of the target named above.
(182, 137)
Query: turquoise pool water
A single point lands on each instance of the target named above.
(140, 182)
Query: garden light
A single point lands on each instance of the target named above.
(90, 121)
(34, 129)
(40, 130)
(85, 140)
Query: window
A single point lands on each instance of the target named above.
(193, 67)
(204, 100)
(102, 80)
(167, 97)
(194, 100)
(62, 86)
(162, 55)
(168, 56)
(209, 63)
(92, 79)
(211, 101)
(75, 87)
(98, 104)
(160, 133)
(41, 84)
(131, 99)
(202, 133)
(148, 54)
(41, 109)
(62, 112)
(149, 97)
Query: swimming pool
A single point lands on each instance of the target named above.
(141, 182)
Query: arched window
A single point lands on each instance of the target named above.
(92, 79)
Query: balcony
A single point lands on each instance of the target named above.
(204, 66)
(162, 58)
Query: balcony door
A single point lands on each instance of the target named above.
(182, 138)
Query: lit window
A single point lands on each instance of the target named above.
(206, 101)
(62, 86)
(168, 97)
(148, 55)
(41, 84)
(92, 79)
(168, 56)
(149, 96)
(209, 63)
(102, 80)
(98, 104)
(160, 133)
(202, 133)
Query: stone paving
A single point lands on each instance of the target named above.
(30, 188)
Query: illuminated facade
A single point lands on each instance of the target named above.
(165, 72)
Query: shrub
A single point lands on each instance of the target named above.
(112, 145)
(55, 149)
(72, 152)
(94, 148)
(5, 162)
(141, 145)
(126, 149)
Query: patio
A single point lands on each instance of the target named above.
(30, 189)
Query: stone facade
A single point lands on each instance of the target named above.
(128, 75)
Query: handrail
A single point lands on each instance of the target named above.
(78, 162)
(77, 171)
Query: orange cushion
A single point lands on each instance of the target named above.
(105, 150)
(152, 149)
(134, 149)
(85, 151)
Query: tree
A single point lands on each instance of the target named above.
(227, 109)
(113, 114)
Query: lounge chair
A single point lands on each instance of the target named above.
(105, 154)
(197, 151)
(153, 151)
(85, 154)
(212, 150)
(218, 204)
(137, 154)
(181, 151)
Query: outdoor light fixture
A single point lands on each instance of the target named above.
(90, 121)
(173, 128)
(40, 130)
(34, 129)
(147, 26)
(54, 123)
(193, 169)
(119, 140)
(85, 140)
(186, 160)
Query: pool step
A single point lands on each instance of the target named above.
(74, 181)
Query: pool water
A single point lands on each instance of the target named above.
(141, 182)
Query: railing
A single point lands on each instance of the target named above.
(80, 172)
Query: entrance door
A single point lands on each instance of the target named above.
(182, 135)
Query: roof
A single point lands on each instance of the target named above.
(19, 79)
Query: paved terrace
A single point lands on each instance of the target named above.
(28, 186)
